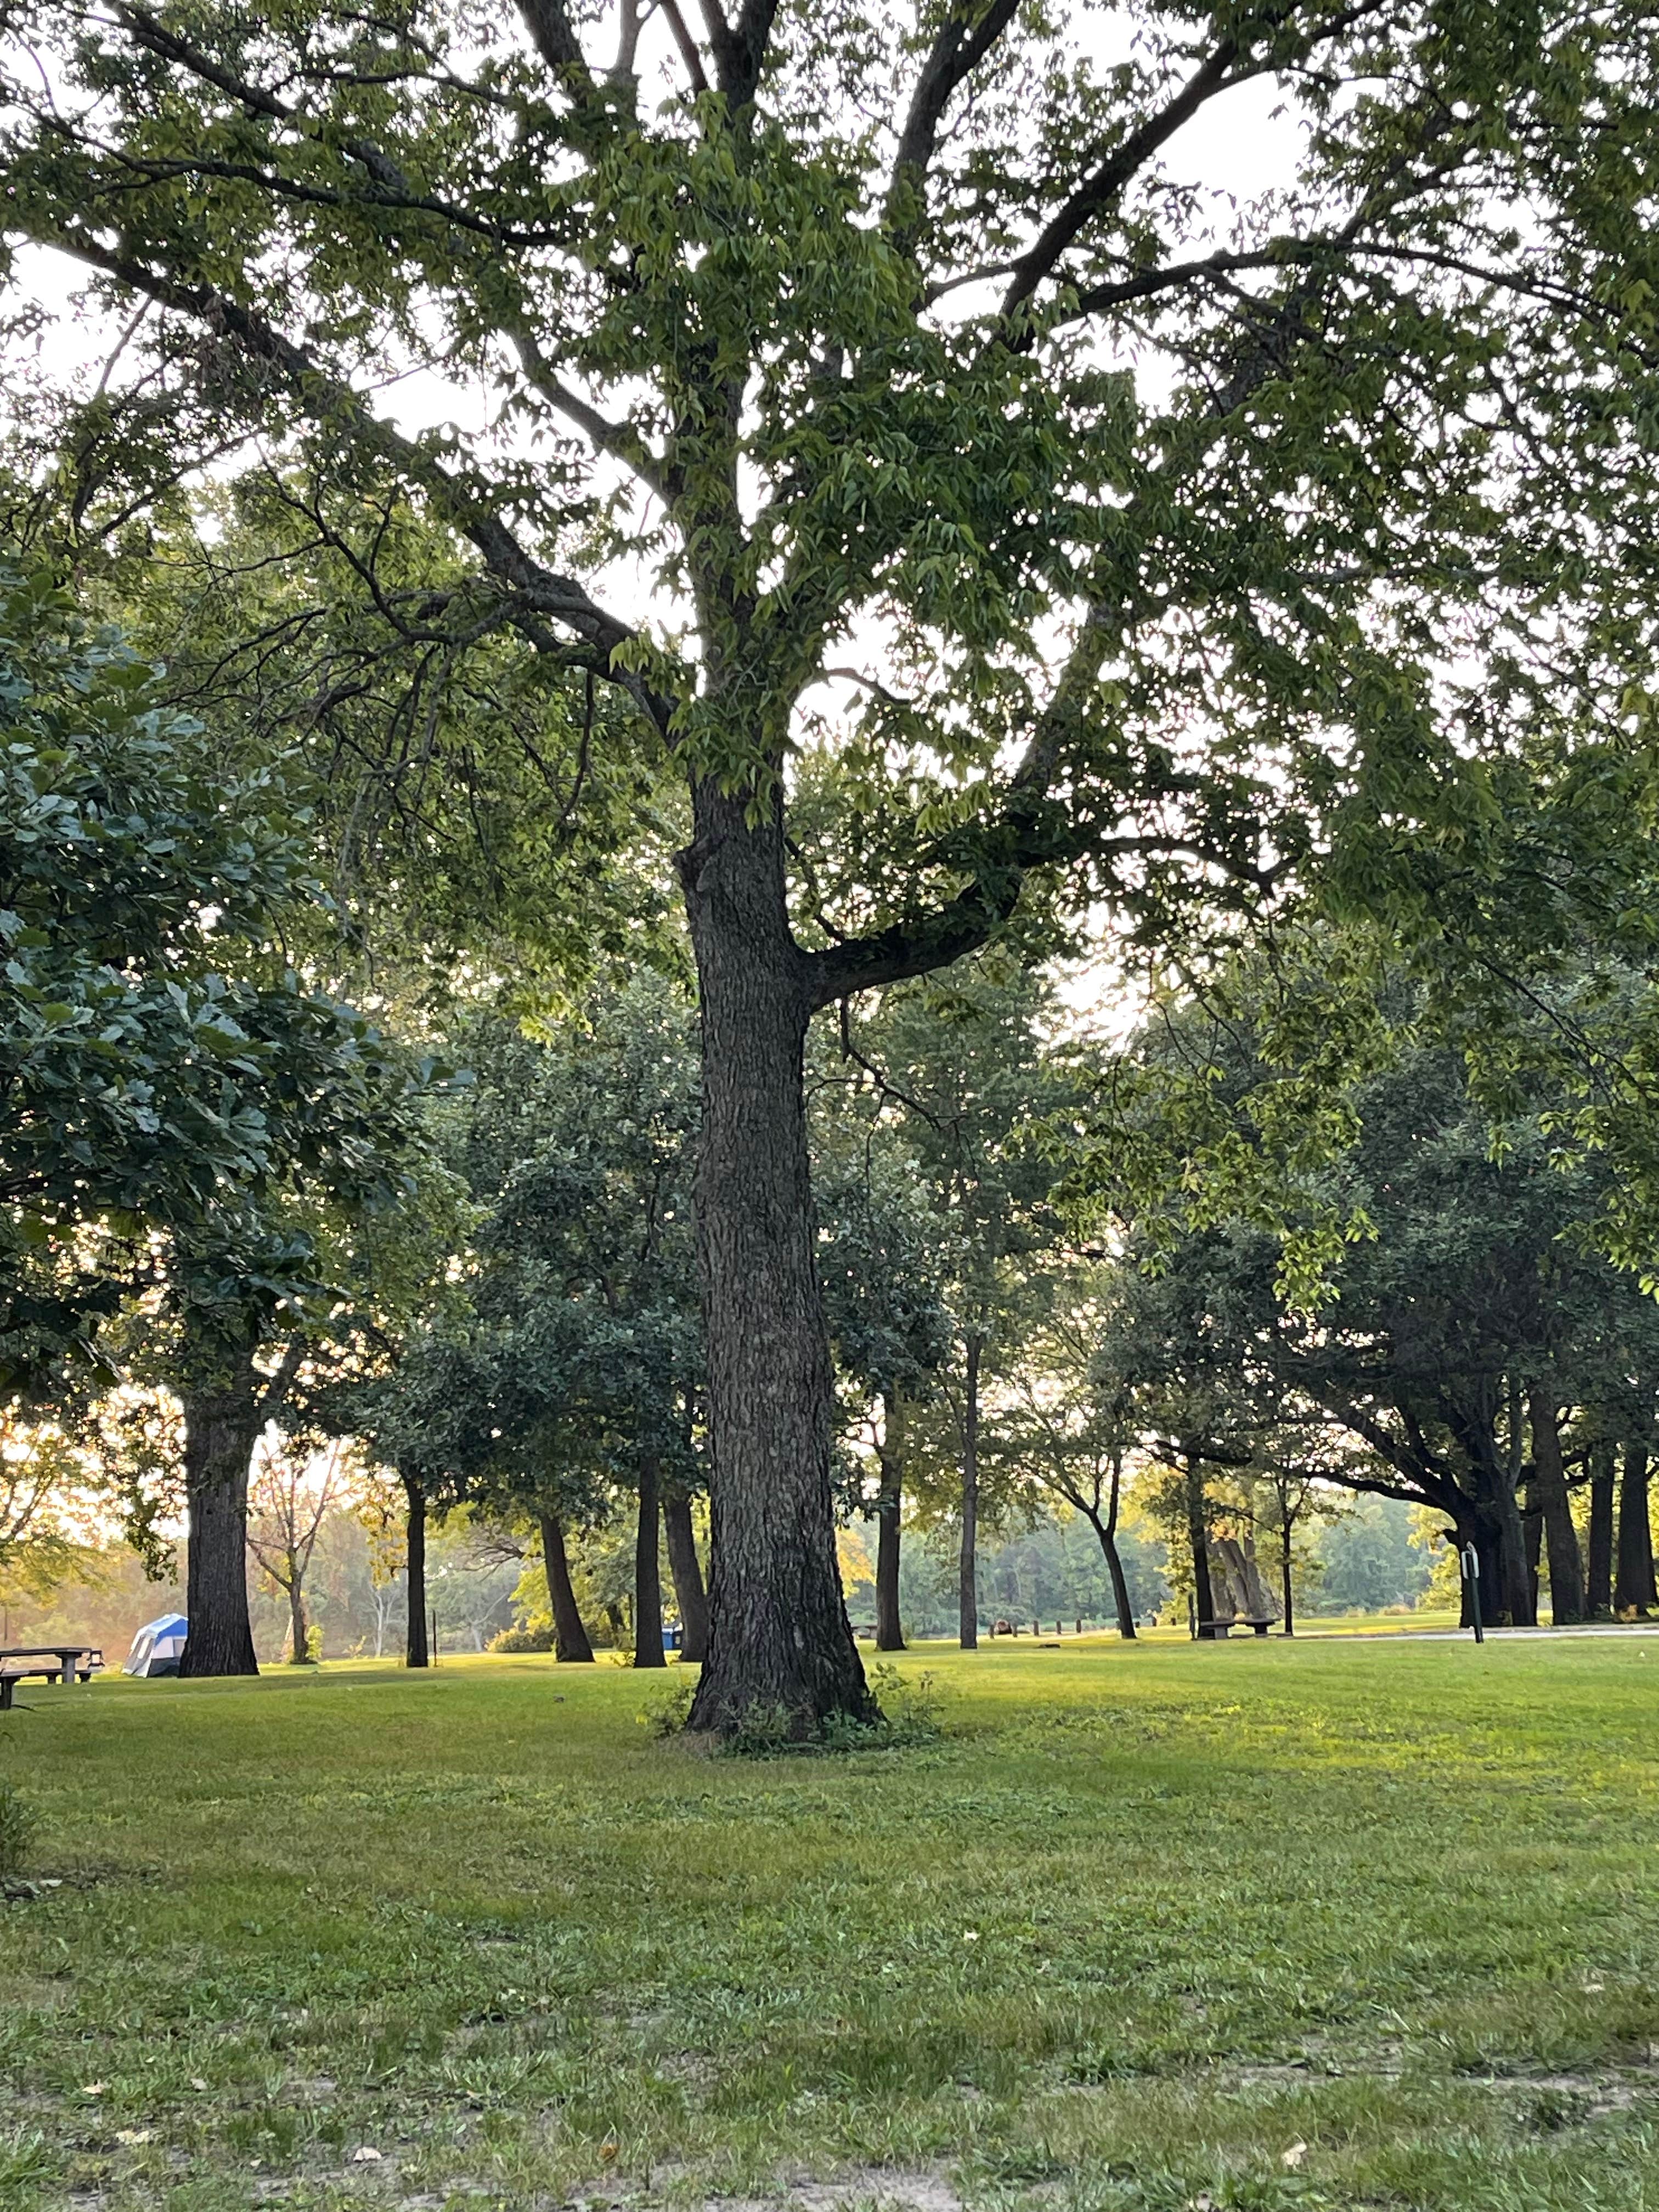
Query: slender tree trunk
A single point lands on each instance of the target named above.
(688, 1593)
(1198, 1539)
(221, 1426)
(1633, 1588)
(1598, 1593)
(570, 1640)
(298, 1629)
(967, 1579)
(890, 1629)
(1549, 1484)
(1126, 1619)
(1286, 1537)
(647, 1568)
(1532, 1537)
(778, 1630)
(415, 1650)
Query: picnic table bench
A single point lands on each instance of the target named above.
(54, 1662)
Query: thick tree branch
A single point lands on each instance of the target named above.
(547, 23)
(326, 400)
(739, 46)
(1099, 189)
(690, 52)
(957, 52)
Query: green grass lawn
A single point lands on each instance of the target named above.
(1140, 1924)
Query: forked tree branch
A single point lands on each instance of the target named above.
(329, 402)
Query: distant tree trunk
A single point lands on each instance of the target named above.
(1506, 1591)
(1532, 1537)
(1633, 1588)
(968, 1581)
(647, 1568)
(1549, 1484)
(1598, 1595)
(1106, 1531)
(570, 1642)
(1108, 1540)
(1198, 1539)
(890, 1629)
(298, 1628)
(221, 1426)
(688, 1593)
(1286, 1537)
(415, 1650)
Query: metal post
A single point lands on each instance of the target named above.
(1469, 1560)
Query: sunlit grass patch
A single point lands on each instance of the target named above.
(1136, 1925)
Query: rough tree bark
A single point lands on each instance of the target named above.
(688, 1593)
(967, 1579)
(777, 1627)
(1197, 1541)
(648, 1568)
(1549, 1484)
(1633, 1588)
(221, 1426)
(570, 1639)
(416, 1651)
(1598, 1580)
(889, 1628)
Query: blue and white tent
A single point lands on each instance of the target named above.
(157, 1646)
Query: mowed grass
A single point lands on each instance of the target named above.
(1143, 1922)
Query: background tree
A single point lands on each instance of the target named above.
(290, 1496)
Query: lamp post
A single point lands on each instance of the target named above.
(1469, 1561)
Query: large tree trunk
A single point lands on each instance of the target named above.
(1198, 1542)
(570, 1639)
(416, 1651)
(1549, 1483)
(1598, 1593)
(778, 1631)
(647, 1568)
(968, 1571)
(890, 1629)
(1633, 1588)
(221, 1426)
(688, 1593)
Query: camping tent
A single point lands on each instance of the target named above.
(156, 1647)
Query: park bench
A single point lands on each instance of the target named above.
(53, 1662)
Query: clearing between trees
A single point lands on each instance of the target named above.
(1341, 1925)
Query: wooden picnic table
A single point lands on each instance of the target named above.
(65, 1663)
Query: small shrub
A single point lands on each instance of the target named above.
(522, 1639)
(17, 1826)
(667, 1714)
(766, 1730)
